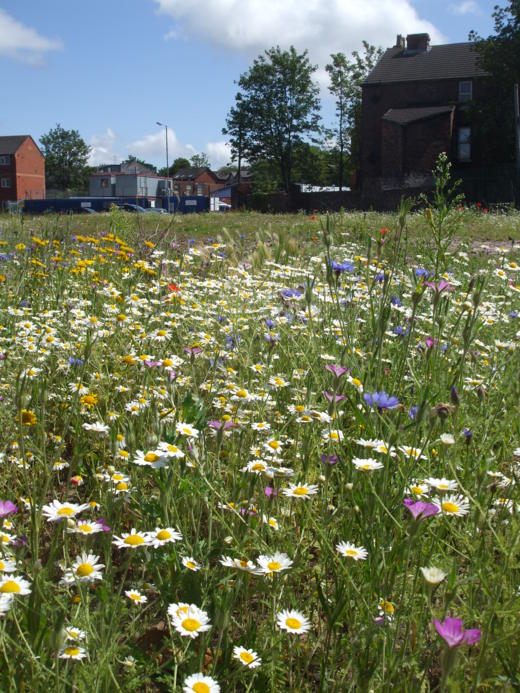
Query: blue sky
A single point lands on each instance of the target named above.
(112, 68)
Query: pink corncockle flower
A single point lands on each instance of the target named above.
(270, 491)
(225, 425)
(337, 370)
(454, 635)
(333, 398)
(419, 509)
(7, 508)
(440, 286)
(152, 364)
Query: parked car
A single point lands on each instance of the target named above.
(128, 207)
(156, 210)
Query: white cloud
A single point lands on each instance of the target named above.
(250, 26)
(219, 154)
(466, 7)
(104, 149)
(22, 42)
(153, 147)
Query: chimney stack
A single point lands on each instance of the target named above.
(399, 42)
(418, 43)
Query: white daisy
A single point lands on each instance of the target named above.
(292, 621)
(248, 658)
(188, 619)
(274, 564)
(358, 553)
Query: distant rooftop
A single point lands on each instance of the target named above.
(418, 61)
(9, 144)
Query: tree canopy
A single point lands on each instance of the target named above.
(200, 160)
(66, 155)
(277, 108)
(499, 55)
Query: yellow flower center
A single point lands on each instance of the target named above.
(258, 467)
(85, 528)
(66, 511)
(161, 333)
(351, 552)
(71, 651)
(2, 565)
(246, 657)
(274, 444)
(241, 393)
(301, 491)
(334, 435)
(190, 565)
(122, 486)
(10, 587)
(151, 457)
(449, 507)
(84, 569)
(136, 597)
(134, 540)
(191, 624)
(417, 490)
(163, 534)
(274, 565)
(201, 687)
(293, 623)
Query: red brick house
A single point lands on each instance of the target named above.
(415, 105)
(196, 181)
(22, 169)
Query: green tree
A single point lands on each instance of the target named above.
(131, 159)
(493, 132)
(277, 107)
(177, 165)
(346, 77)
(200, 161)
(66, 155)
(235, 130)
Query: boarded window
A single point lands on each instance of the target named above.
(464, 144)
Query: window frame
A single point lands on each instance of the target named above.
(465, 96)
(5, 182)
(464, 144)
(5, 159)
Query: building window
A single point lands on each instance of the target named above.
(5, 182)
(200, 189)
(189, 189)
(464, 144)
(4, 160)
(465, 91)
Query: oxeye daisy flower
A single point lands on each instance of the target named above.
(153, 459)
(86, 527)
(165, 535)
(187, 430)
(271, 521)
(293, 622)
(248, 658)
(358, 553)
(7, 565)
(453, 505)
(84, 569)
(72, 633)
(332, 435)
(367, 464)
(14, 584)
(303, 491)
(132, 540)
(58, 511)
(198, 683)
(188, 619)
(73, 652)
(274, 564)
(190, 563)
(433, 576)
(418, 488)
(240, 564)
(169, 450)
(274, 446)
(136, 597)
(442, 484)
(414, 453)
(6, 601)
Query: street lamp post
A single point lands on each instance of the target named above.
(163, 125)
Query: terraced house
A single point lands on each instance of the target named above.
(416, 104)
(22, 169)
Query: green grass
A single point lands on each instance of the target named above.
(189, 333)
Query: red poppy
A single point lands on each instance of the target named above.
(173, 288)
(383, 231)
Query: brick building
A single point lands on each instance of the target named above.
(22, 169)
(196, 181)
(415, 105)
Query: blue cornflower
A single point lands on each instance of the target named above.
(289, 293)
(396, 301)
(422, 272)
(513, 314)
(381, 400)
(269, 323)
(412, 412)
(400, 331)
(339, 267)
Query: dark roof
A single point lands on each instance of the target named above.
(9, 144)
(449, 61)
(190, 173)
(403, 116)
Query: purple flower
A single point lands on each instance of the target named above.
(329, 459)
(440, 287)
(217, 425)
(381, 400)
(102, 521)
(420, 509)
(333, 398)
(7, 508)
(339, 267)
(452, 633)
(412, 412)
(270, 491)
(337, 370)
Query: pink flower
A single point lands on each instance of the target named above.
(454, 635)
(337, 370)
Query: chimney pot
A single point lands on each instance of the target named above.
(418, 42)
(399, 42)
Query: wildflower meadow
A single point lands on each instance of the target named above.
(281, 455)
